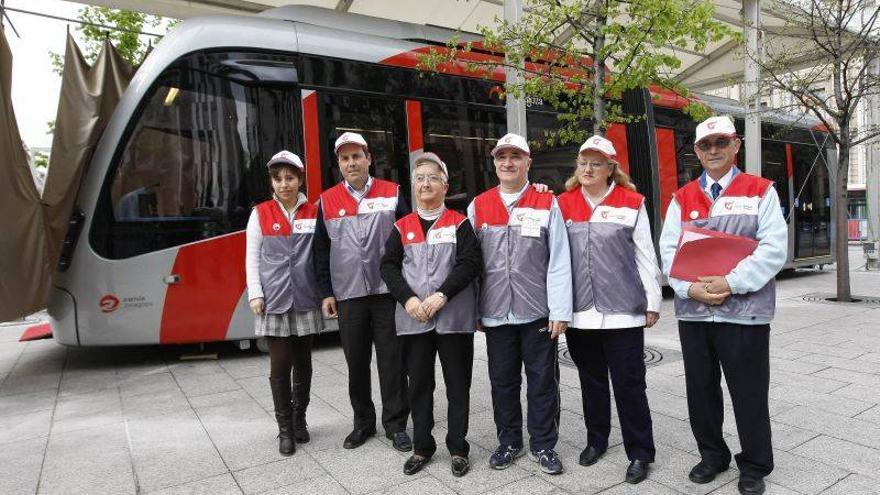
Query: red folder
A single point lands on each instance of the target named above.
(704, 252)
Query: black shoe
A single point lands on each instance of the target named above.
(415, 464)
(637, 471)
(751, 486)
(590, 455)
(358, 437)
(284, 416)
(705, 473)
(460, 466)
(301, 431)
(400, 441)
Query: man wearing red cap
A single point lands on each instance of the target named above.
(355, 218)
(724, 321)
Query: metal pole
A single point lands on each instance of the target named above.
(751, 96)
(872, 165)
(516, 107)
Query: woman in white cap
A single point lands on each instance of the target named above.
(430, 263)
(616, 295)
(283, 295)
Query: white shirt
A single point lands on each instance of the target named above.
(724, 181)
(254, 242)
(649, 273)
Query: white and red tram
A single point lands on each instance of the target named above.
(155, 253)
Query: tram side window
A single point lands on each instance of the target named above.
(552, 164)
(193, 165)
(773, 167)
(463, 136)
(382, 123)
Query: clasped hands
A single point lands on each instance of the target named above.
(423, 311)
(711, 290)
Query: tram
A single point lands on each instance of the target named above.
(155, 253)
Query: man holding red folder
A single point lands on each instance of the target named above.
(724, 318)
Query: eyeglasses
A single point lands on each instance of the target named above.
(591, 164)
(708, 144)
(421, 179)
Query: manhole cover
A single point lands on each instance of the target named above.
(822, 297)
(652, 356)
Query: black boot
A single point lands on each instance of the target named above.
(302, 387)
(284, 416)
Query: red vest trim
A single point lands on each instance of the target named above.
(692, 198)
(273, 221)
(575, 208)
(410, 227)
(489, 208)
(337, 202)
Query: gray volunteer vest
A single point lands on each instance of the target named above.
(734, 212)
(603, 256)
(287, 272)
(358, 231)
(428, 259)
(516, 254)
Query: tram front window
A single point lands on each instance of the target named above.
(193, 163)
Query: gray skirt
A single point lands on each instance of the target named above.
(290, 324)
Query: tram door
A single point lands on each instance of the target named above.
(811, 209)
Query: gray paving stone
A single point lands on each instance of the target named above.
(845, 455)
(25, 426)
(324, 485)
(27, 402)
(841, 363)
(860, 392)
(671, 469)
(787, 437)
(34, 372)
(327, 426)
(647, 487)
(803, 397)
(240, 429)
(171, 450)
(20, 464)
(872, 415)
(88, 381)
(425, 485)
(871, 380)
(481, 477)
(803, 365)
(833, 425)
(365, 469)
(146, 405)
(215, 485)
(531, 485)
(803, 474)
(198, 384)
(817, 382)
(247, 366)
(89, 410)
(147, 382)
(299, 467)
(854, 483)
(90, 461)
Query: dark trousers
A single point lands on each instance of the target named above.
(743, 352)
(365, 321)
(292, 357)
(456, 353)
(509, 348)
(620, 352)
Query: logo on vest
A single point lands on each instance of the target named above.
(342, 212)
(276, 226)
(605, 214)
(746, 205)
(694, 214)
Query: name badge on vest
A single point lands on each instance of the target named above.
(530, 221)
(442, 235)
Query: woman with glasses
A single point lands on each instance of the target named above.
(616, 295)
(431, 260)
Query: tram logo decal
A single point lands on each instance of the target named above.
(109, 303)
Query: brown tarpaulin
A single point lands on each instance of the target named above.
(32, 233)
(25, 273)
(88, 97)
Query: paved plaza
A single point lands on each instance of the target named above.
(140, 420)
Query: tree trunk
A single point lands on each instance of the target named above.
(599, 71)
(841, 231)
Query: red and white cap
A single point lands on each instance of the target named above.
(514, 141)
(600, 144)
(433, 158)
(721, 125)
(349, 138)
(286, 158)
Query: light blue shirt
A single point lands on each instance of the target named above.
(752, 273)
(559, 290)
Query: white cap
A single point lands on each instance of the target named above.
(287, 158)
(349, 138)
(433, 158)
(514, 141)
(715, 125)
(600, 144)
